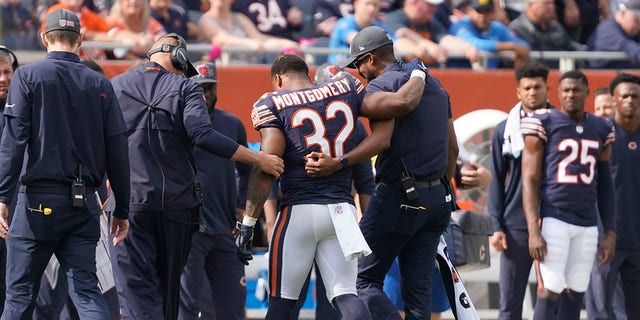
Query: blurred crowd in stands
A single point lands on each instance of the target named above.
(440, 32)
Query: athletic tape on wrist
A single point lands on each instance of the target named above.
(249, 221)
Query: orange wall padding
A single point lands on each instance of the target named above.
(241, 86)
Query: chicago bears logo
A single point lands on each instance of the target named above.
(203, 70)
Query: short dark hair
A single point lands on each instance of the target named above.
(532, 69)
(601, 91)
(575, 75)
(66, 36)
(289, 63)
(623, 77)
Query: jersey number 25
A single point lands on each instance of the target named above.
(575, 149)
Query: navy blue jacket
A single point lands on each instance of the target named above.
(166, 116)
(68, 116)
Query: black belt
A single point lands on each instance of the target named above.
(51, 190)
(419, 184)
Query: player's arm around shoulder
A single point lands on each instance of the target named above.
(385, 105)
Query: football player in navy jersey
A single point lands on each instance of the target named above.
(565, 173)
(318, 219)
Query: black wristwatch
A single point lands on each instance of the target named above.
(344, 161)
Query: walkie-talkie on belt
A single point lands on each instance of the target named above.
(77, 190)
(408, 183)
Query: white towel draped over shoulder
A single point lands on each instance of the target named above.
(352, 243)
(513, 142)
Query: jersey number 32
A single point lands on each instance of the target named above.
(319, 135)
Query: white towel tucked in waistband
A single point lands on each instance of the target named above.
(513, 142)
(352, 243)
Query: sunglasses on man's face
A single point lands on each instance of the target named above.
(358, 60)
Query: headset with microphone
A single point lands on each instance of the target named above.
(179, 58)
(14, 59)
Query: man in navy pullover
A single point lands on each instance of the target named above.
(165, 116)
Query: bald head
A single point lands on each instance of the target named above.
(170, 51)
(165, 40)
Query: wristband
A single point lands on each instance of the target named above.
(344, 161)
(418, 73)
(249, 221)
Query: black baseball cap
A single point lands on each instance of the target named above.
(367, 40)
(62, 19)
(206, 73)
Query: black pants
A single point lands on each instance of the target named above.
(148, 264)
(69, 233)
(212, 284)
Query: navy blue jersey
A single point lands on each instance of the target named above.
(421, 137)
(320, 118)
(66, 113)
(217, 176)
(165, 115)
(269, 16)
(572, 150)
(625, 157)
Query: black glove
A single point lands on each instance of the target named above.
(244, 242)
(415, 64)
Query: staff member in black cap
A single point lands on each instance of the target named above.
(67, 119)
(166, 115)
(412, 202)
(213, 279)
